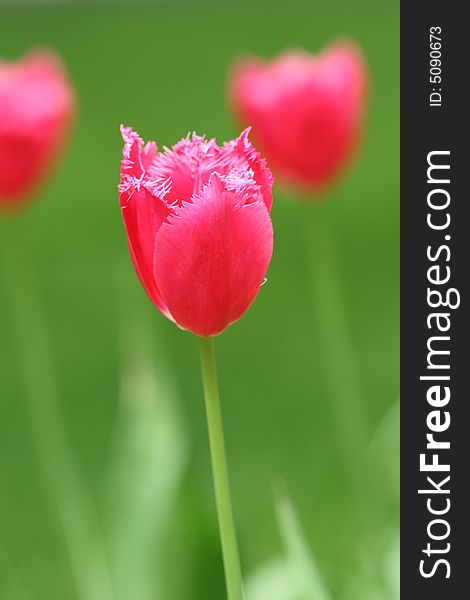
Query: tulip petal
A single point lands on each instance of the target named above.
(210, 258)
(143, 215)
(136, 158)
(179, 167)
(143, 210)
(36, 110)
(188, 165)
(262, 175)
(306, 111)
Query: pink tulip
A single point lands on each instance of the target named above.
(306, 111)
(36, 110)
(198, 227)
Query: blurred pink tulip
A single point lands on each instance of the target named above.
(306, 111)
(198, 227)
(36, 109)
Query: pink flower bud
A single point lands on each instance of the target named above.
(306, 111)
(198, 227)
(36, 110)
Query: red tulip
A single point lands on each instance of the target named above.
(306, 111)
(198, 227)
(36, 109)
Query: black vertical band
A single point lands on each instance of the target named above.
(435, 255)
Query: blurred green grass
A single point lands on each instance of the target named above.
(162, 69)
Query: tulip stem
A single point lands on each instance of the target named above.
(341, 378)
(74, 505)
(220, 473)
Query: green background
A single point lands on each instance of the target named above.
(162, 69)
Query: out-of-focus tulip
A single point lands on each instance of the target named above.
(306, 111)
(198, 227)
(36, 110)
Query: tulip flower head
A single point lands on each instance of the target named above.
(306, 111)
(36, 110)
(198, 227)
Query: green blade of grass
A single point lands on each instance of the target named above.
(384, 453)
(272, 580)
(305, 572)
(296, 575)
(63, 483)
(149, 460)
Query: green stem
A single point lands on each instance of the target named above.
(75, 507)
(338, 359)
(220, 473)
